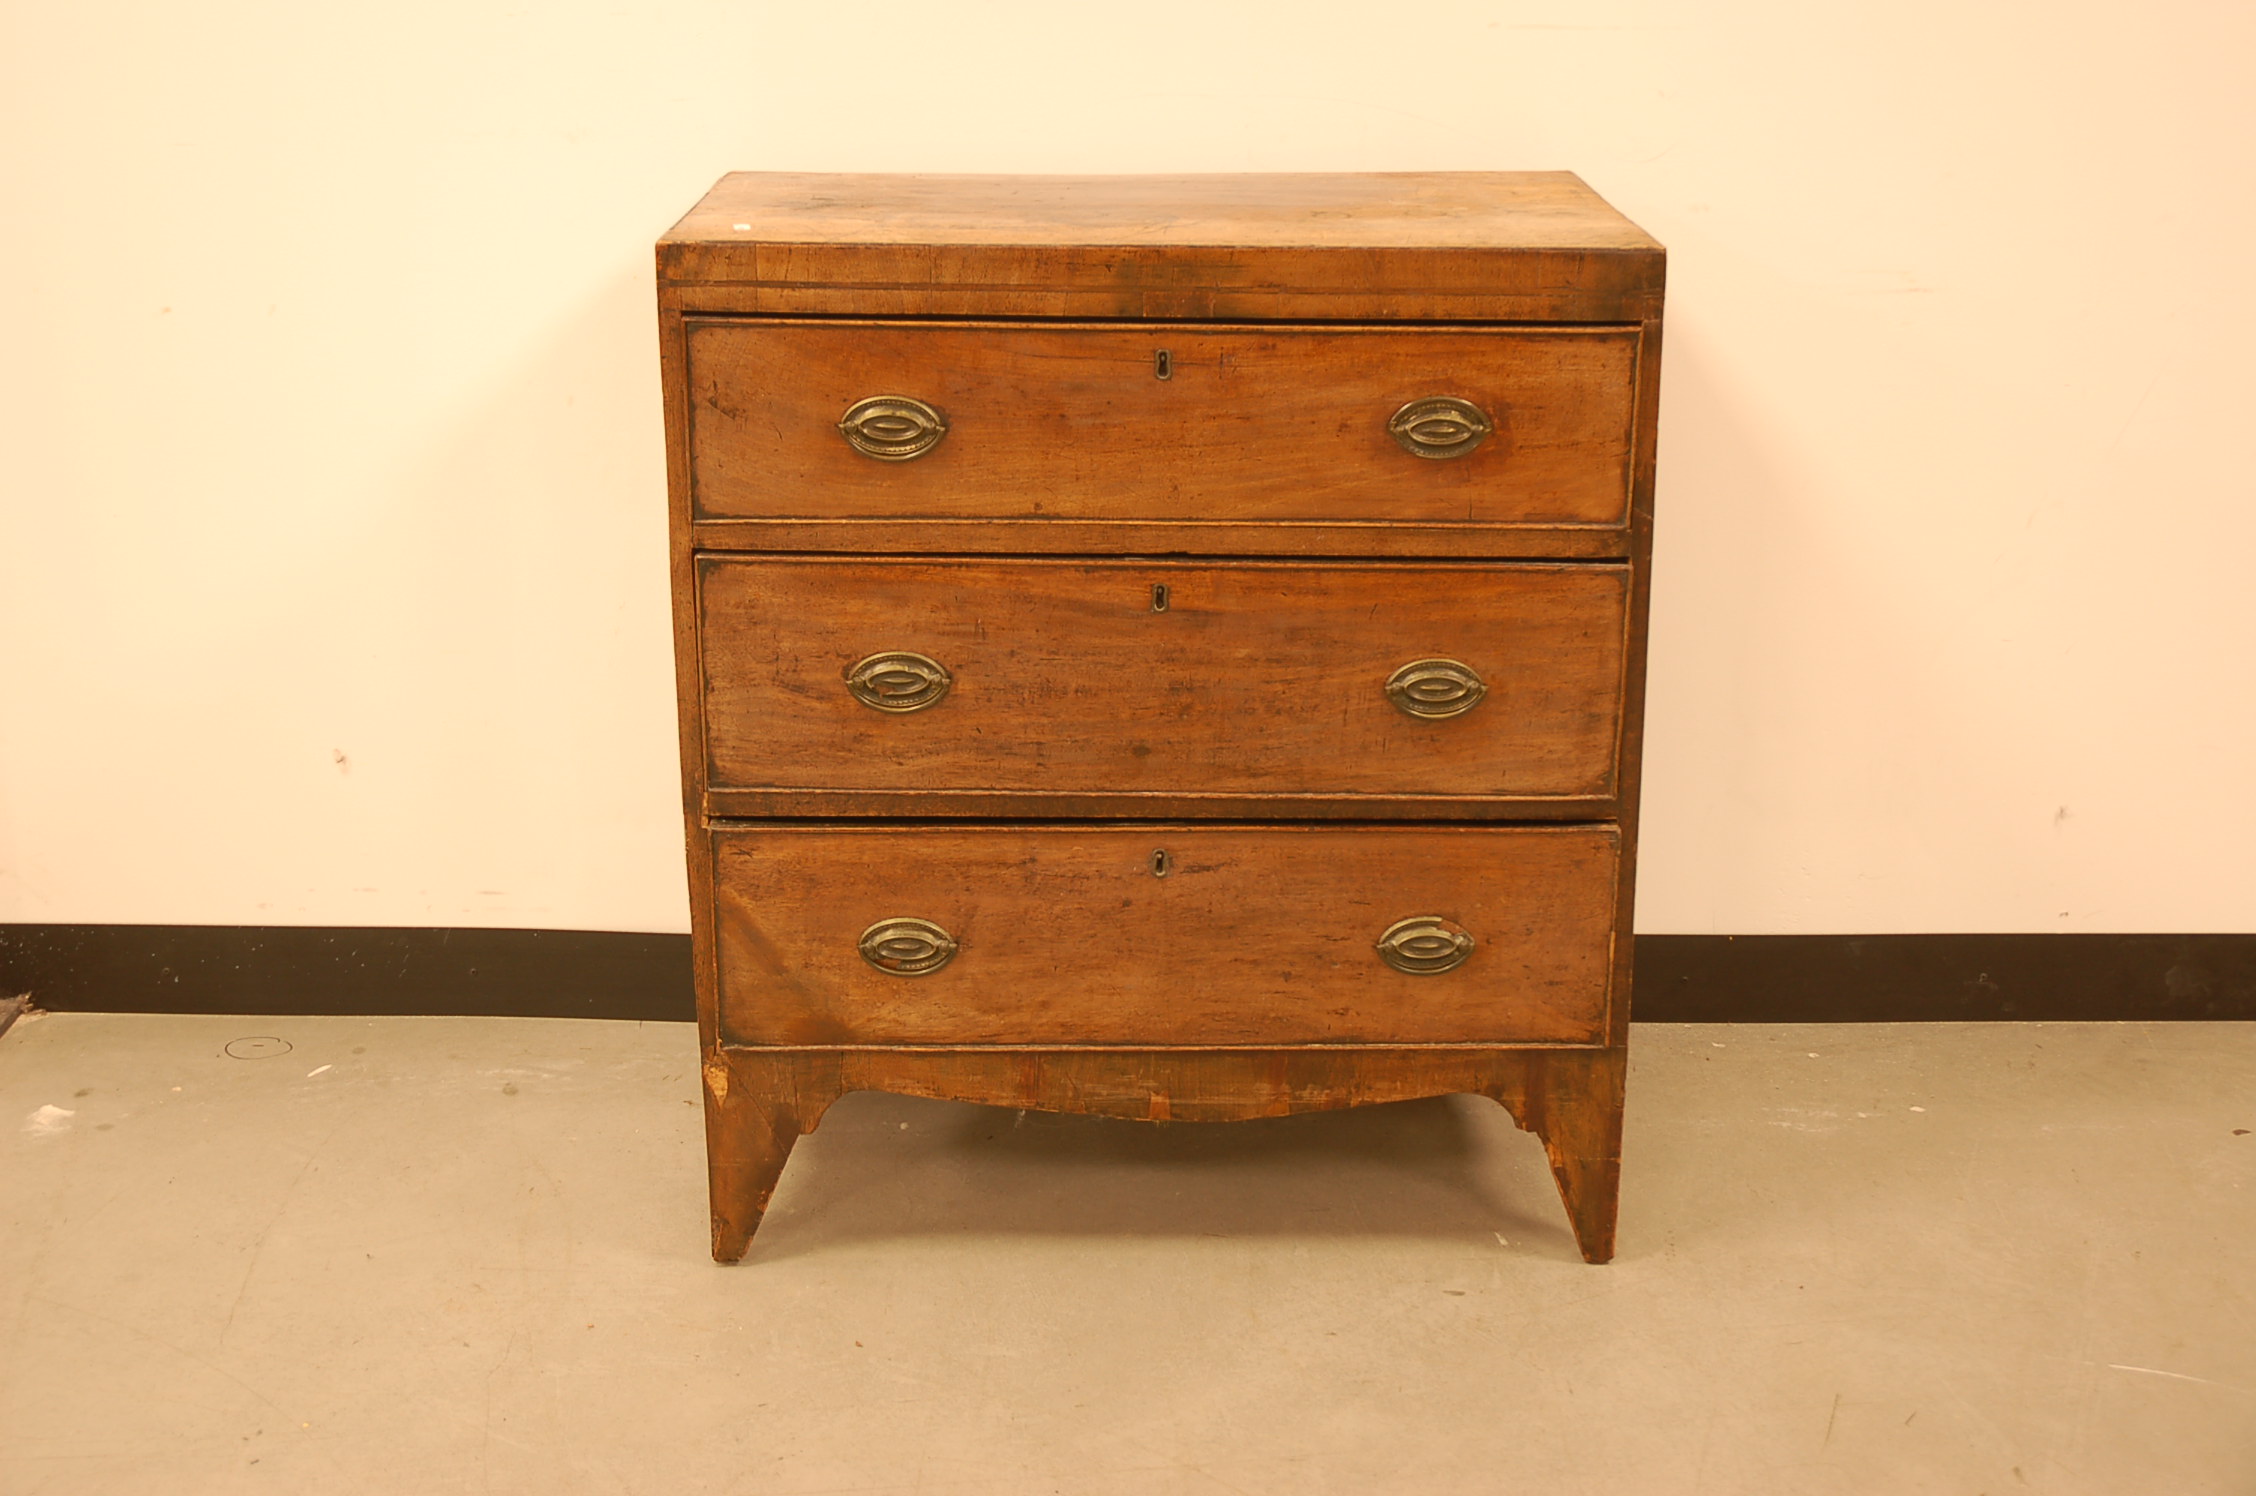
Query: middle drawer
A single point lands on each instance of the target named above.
(979, 687)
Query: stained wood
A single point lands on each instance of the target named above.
(942, 802)
(1537, 246)
(1418, 253)
(1257, 679)
(1072, 423)
(760, 1101)
(1279, 210)
(1630, 767)
(1256, 935)
(1156, 285)
(1204, 537)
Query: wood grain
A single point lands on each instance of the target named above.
(1258, 678)
(1256, 935)
(1187, 537)
(1273, 210)
(760, 1101)
(1494, 246)
(1071, 423)
(1631, 764)
(1476, 256)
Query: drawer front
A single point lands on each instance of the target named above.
(1135, 681)
(1164, 935)
(1077, 423)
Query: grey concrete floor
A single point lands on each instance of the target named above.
(445, 1255)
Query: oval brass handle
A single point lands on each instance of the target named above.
(1436, 688)
(898, 681)
(892, 428)
(1440, 426)
(905, 947)
(1424, 945)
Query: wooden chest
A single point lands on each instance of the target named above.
(1166, 647)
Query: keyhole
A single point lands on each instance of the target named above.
(1163, 364)
(1159, 597)
(1161, 863)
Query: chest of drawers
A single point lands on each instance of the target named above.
(1170, 648)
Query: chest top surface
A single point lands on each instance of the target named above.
(1439, 210)
(1478, 245)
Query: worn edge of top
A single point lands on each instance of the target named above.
(687, 257)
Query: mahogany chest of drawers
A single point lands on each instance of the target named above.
(1170, 648)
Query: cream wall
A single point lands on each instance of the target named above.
(333, 564)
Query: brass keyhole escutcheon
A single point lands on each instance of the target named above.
(1436, 688)
(1163, 364)
(1440, 426)
(1424, 945)
(905, 947)
(1161, 863)
(1159, 597)
(892, 428)
(899, 680)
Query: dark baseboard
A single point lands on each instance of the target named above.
(288, 969)
(603, 974)
(1943, 978)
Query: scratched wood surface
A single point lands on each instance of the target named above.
(1485, 253)
(1492, 246)
(1253, 935)
(1277, 424)
(1256, 679)
(1285, 210)
(759, 1102)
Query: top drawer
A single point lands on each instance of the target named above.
(1077, 436)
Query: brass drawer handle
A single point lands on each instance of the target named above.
(1424, 945)
(892, 428)
(904, 947)
(898, 681)
(1436, 688)
(1440, 426)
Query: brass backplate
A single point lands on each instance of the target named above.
(1424, 945)
(905, 947)
(1436, 688)
(892, 428)
(898, 680)
(1440, 426)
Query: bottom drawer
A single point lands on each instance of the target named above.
(1164, 935)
